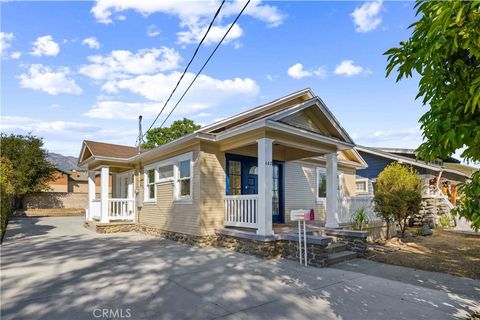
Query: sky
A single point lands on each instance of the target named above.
(75, 70)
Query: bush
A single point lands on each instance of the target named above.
(397, 195)
(359, 220)
(445, 221)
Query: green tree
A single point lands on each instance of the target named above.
(398, 194)
(179, 128)
(444, 49)
(30, 168)
(6, 188)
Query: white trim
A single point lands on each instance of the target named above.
(366, 186)
(146, 191)
(320, 200)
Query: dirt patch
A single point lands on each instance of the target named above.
(449, 252)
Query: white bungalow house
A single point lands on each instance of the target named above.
(246, 171)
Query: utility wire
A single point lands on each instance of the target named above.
(186, 68)
(206, 62)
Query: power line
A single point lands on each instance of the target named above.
(186, 68)
(206, 62)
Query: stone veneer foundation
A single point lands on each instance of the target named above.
(270, 247)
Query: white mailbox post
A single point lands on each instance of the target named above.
(301, 215)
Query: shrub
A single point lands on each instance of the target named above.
(445, 221)
(397, 195)
(359, 220)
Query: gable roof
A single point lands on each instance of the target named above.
(412, 153)
(280, 110)
(107, 150)
(414, 162)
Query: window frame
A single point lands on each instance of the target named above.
(147, 183)
(365, 180)
(188, 199)
(317, 172)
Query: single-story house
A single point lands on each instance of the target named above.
(439, 178)
(246, 171)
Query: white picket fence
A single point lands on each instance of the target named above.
(348, 206)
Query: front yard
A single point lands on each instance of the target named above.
(449, 252)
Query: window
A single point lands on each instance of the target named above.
(165, 173)
(150, 185)
(234, 177)
(321, 184)
(184, 179)
(361, 186)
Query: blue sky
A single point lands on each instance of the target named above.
(86, 70)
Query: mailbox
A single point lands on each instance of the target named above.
(297, 215)
(309, 215)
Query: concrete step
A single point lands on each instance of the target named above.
(336, 247)
(337, 257)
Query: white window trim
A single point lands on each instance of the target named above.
(176, 174)
(366, 185)
(320, 200)
(323, 200)
(175, 180)
(146, 192)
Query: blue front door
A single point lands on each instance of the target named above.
(242, 178)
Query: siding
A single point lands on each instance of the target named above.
(300, 189)
(301, 120)
(212, 187)
(168, 214)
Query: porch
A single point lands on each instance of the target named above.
(115, 202)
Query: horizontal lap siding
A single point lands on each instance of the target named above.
(212, 188)
(300, 189)
(170, 215)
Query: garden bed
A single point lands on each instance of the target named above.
(449, 252)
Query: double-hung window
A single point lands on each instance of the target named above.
(165, 173)
(361, 186)
(150, 192)
(321, 185)
(184, 180)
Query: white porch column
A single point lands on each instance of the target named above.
(91, 195)
(265, 186)
(332, 191)
(104, 181)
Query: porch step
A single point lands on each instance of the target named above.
(111, 227)
(338, 257)
(335, 247)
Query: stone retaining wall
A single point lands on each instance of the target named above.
(431, 208)
(355, 240)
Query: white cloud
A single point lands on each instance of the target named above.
(37, 126)
(207, 92)
(16, 55)
(91, 42)
(297, 72)
(120, 63)
(49, 80)
(366, 18)
(193, 15)
(399, 138)
(5, 41)
(347, 68)
(195, 33)
(45, 46)
(152, 31)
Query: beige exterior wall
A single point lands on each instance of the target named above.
(301, 187)
(167, 213)
(56, 200)
(213, 186)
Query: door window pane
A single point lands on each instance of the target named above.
(235, 177)
(321, 184)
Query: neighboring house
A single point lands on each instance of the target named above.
(73, 181)
(246, 171)
(440, 179)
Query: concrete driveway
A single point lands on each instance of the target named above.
(53, 268)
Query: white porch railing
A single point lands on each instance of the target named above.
(348, 206)
(120, 209)
(241, 211)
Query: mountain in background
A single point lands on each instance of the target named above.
(64, 163)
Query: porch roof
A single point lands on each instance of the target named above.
(276, 116)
